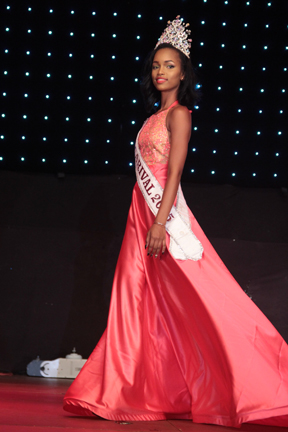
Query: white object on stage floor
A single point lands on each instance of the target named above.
(68, 367)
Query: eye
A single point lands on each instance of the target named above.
(155, 67)
(170, 66)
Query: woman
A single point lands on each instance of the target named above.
(183, 340)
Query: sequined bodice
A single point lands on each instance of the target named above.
(153, 139)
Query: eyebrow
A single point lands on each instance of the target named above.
(166, 61)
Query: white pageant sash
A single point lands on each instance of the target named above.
(183, 243)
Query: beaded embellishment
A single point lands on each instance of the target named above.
(154, 141)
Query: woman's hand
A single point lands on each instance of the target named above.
(156, 240)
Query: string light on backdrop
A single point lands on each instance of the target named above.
(70, 86)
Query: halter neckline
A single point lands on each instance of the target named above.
(174, 103)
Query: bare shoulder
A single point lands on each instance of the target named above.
(179, 115)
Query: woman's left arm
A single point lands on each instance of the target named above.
(179, 126)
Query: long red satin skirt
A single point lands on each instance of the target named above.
(183, 341)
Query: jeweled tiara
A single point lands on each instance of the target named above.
(176, 34)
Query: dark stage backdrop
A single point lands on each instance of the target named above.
(59, 242)
(70, 74)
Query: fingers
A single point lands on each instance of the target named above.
(148, 237)
(155, 241)
(156, 248)
(163, 246)
(151, 246)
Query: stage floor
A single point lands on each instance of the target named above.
(35, 405)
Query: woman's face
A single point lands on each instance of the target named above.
(166, 70)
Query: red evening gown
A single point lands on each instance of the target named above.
(183, 340)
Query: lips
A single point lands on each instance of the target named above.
(161, 80)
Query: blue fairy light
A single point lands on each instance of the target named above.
(90, 81)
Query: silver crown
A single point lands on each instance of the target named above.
(176, 34)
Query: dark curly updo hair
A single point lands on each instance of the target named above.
(188, 93)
